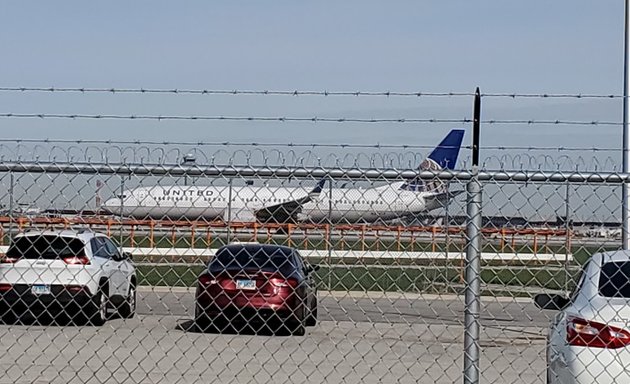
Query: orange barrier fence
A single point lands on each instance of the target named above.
(296, 234)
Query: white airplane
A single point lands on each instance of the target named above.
(294, 204)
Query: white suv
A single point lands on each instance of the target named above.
(589, 338)
(81, 273)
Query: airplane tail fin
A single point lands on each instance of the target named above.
(314, 193)
(444, 156)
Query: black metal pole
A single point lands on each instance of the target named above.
(476, 122)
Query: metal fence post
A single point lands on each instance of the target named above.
(447, 220)
(473, 257)
(229, 216)
(122, 205)
(625, 203)
(11, 202)
(567, 244)
(329, 233)
(473, 281)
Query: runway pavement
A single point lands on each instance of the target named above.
(361, 338)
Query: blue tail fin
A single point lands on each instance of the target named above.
(445, 154)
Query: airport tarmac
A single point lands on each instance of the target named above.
(373, 307)
(361, 338)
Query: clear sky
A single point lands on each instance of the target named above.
(536, 46)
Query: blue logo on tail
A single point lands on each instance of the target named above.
(444, 156)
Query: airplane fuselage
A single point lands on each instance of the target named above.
(239, 203)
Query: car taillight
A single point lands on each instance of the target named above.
(4, 287)
(585, 333)
(206, 280)
(75, 260)
(76, 288)
(9, 260)
(281, 282)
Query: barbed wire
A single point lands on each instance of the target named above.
(399, 159)
(290, 145)
(303, 119)
(302, 93)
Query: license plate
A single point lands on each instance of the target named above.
(246, 284)
(40, 289)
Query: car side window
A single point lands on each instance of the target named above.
(99, 249)
(112, 249)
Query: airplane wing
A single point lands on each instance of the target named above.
(439, 200)
(434, 201)
(288, 211)
(243, 215)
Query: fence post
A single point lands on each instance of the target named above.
(473, 258)
(151, 234)
(122, 205)
(229, 216)
(567, 244)
(192, 236)
(473, 282)
(11, 191)
(625, 203)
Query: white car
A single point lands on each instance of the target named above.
(589, 338)
(79, 273)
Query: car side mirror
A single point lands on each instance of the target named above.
(127, 256)
(311, 268)
(553, 302)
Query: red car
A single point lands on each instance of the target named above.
(257, 284)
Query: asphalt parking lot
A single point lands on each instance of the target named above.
(361, 338)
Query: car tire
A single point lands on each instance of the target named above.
(202, 320)
(6, 315)
(97, 309)
(298, 329)
(311, 318)
(128, 308)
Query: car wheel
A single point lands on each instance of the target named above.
(97, 312)
(6, 315)
(551, 377)
(299, 328)
(311, 319)
(548, 378)
(128, 308)
(202, 320)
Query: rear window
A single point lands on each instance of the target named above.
(267, 259)
(614, 280)
(45, 247)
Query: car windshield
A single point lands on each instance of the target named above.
(267, 259)
(614, 280)
(45, 247)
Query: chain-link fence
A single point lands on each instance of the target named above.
(119, 272)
